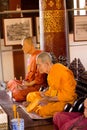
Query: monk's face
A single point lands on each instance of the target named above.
(42, 67)
(27, 47)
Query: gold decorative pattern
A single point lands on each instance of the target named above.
(53, 21)
(51, 3)
(58, 4)
(44, 4)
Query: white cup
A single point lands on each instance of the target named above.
(17, 124)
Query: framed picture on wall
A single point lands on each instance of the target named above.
(80, 28)
(15, 29)
(38, 29)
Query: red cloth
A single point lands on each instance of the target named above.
(33, 74)
(69, 121)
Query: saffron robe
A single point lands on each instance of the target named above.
(69, 121)
(33, 74)
(62, 84)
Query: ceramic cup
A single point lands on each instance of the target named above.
(17, 124)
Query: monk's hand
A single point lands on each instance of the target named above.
(25, 83)
(21, 87)
(43, 102)
(42, 94)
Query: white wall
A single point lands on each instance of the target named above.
(78, 50)
(6, 62)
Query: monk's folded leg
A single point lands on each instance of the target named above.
(20, 95)
(32, 96)
(50, 109)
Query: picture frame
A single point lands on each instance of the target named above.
(80, 28)
(38, 29)
(16, 29)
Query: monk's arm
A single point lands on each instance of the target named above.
(26, 83)
(48, 98)
(45, 100)
(52, 99)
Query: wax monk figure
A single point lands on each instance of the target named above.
(61, 88)
(71, 120)
(33, 79)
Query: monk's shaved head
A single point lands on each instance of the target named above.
(29, 40)
(45, 57)
(28, 45)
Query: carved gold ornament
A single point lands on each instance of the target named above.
(58, 4)
(44, 4)
(53, 21)
(51, 3)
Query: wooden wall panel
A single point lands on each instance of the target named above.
(13, 4)
(18, 56)
(30, 4)
(3, 7)
(19, 65)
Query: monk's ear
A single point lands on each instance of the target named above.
(47, 63)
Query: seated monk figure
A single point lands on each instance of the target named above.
(71, 120)
(61, 88)
(33, 79)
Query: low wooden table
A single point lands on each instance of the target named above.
(6, 102)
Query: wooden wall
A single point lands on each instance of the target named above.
(13, 4)
(18, 56)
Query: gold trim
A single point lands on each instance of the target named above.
(53, 20)
(51, 3)
(43, 4)
(58, 4)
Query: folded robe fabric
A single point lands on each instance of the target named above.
(32, 105)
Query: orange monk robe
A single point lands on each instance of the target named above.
(61, 84)
(33, 74)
